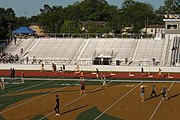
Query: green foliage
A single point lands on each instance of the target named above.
(52, 21)
(68, 19)
(7, 21)
(136, 13)
(170, 6)
(21, 21)
(70, 26)
(94, 16)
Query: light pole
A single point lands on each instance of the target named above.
(25, 14)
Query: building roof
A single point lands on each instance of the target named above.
(155, 26)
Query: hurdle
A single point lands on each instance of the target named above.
(111, 73)
(131, 75)
(93, 72)
(169, 76)
(149, 74)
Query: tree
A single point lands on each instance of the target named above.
(170, 6)
(70, 26)
(135, 14)
(7, 21)
(116, 23)
(52, 21)
(21, 21)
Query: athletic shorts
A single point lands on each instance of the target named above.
(82, 87)
(142, 95)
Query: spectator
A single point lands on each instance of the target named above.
(42, 67)
(27, 59)
(21, 51)
(60, 70)
(63, 67)
(154, 61)
(13, 73)
(54, 67)
(34, 59)
(8, 58)
(126, 60)
(15, 39)
(173, 48)
(174, 63)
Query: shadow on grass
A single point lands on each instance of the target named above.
(92, 113)
(153, 97)
(73, 109)
(112, 85)
(95, 91)
(173, 96)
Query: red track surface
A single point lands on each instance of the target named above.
(71, 74)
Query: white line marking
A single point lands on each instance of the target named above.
(25, 88)
(117, 101)
(159, 105)
(34, 99)
(73, 101)
(114, 80)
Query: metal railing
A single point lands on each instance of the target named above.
(83, 62)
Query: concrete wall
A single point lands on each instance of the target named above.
(92, 68)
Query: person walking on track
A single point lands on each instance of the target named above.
(164, 92)
(56, 108)
(2, 83)
(103, 79)
(22, 77)
(153, 90)
(97, 73)
(142, 90)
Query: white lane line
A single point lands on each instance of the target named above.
(159, 104)
(35, 98)
(72, 101)
(25, 88)
(117, 101)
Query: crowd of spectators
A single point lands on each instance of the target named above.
(8, 58)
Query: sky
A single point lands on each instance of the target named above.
(29, 8)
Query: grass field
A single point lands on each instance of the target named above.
(35, 100)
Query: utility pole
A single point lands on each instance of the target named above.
(25, 14)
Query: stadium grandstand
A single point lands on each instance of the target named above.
(119, 54)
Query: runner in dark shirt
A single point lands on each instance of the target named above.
(56, 108)
(82, 87)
